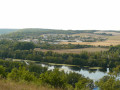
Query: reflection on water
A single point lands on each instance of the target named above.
(94, 74)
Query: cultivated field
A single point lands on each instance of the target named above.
(111, 40)
(104, 43)
(74, 50)
(113, 33)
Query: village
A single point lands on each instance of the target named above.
(57, 38)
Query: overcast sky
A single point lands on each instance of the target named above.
(60, 14)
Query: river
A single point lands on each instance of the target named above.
(94, 74)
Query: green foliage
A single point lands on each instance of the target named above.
(2, 71)
(21, 74)
(37, 69)
(24, 46)
(116, 71)
(84, 84)
(41, 76)
(54, 78)
(108, 83)
(59, 46)
(10, 65)
(73, 78)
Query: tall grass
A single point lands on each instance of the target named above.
(10, 85)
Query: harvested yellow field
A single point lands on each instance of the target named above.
(82, 34)
(89, 35)
(114, 37)
(77, 51)
(104, 43)
(113, 33)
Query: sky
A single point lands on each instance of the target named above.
(61, 14)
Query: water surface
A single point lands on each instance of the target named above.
(94, 74)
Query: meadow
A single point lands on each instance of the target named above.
(77, 51)
(110, 40)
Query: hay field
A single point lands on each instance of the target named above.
(113, 33)
(104, 43)
(82, 34)
(77, 51)
(111, 40)
(117, 37)
(90, 35)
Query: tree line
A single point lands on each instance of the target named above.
(25, 50)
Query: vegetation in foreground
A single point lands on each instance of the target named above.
(11, 85)
(39, 76)
(17, 75)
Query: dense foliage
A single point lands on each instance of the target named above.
(110, 82)
(59, 46)
(25, 50)
(41, 76)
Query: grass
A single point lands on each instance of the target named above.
(114, 37)
(10, 85)
(77, 51)
(61, 64)
(17, 60)
(95, 67)
(31, 61)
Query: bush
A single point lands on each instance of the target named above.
(21, 74)
(2, 71)
(54, 78)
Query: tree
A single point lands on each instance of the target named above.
(2, 71)
(21, 74)
(24, 46)
(54, 78)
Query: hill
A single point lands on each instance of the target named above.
(36, 32)
(4, 31)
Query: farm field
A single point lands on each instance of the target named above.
(113, 33)
(108, 42)
(77, 51)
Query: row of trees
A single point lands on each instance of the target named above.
(59, 46)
